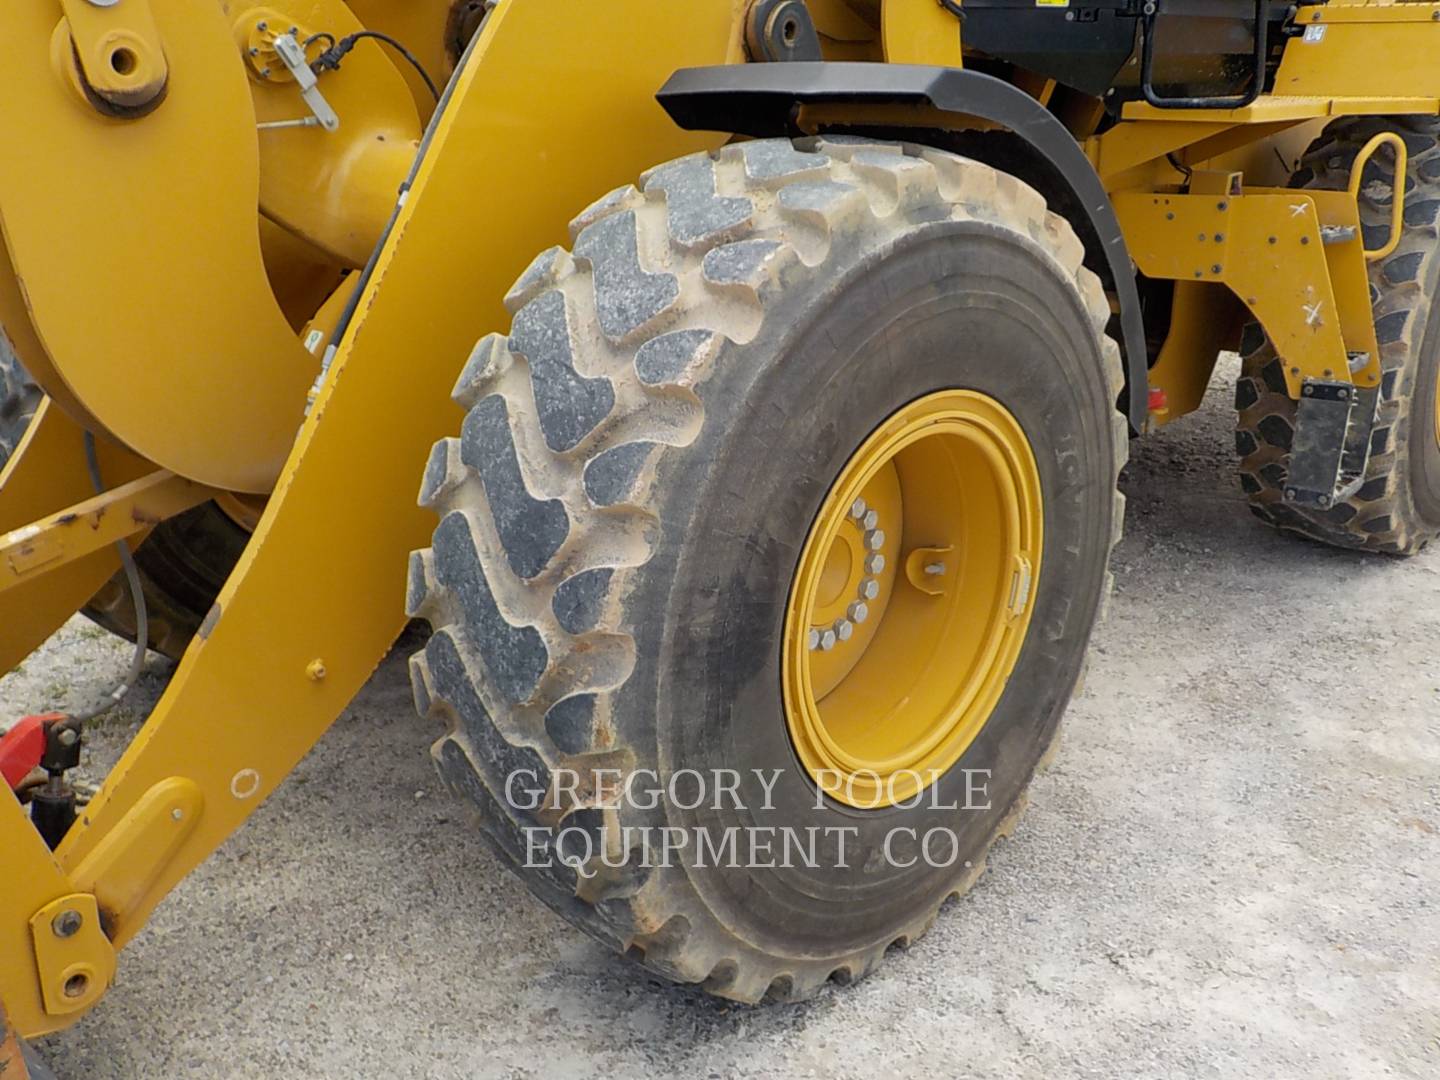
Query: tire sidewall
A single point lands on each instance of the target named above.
(967, 305)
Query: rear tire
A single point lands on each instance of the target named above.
(1397, 507)
(642, 459)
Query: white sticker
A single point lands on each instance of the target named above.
(313, 339)
(1314, 32)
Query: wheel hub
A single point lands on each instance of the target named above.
(911, 598)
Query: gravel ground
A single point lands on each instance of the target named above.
(1231, 870)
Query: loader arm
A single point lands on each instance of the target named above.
(254, 692)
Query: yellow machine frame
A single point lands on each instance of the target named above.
(329, 550)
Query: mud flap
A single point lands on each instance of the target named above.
(1331, 447)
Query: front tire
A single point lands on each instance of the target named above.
(643, 459)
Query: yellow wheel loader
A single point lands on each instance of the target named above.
(774, 359)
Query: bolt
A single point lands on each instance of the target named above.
(870, 520)
(67, 923)
(1219, 238)
(827, 641)
(1307, 390)
(869, 588)
(262, 26)
(843, 629)
(254, 51)
(1170, 216)
(857, 509)
(1323, 500)
(1304, 239)
(859, 611)
(1203, 238)
(875, 539)
(1222, 205)
(874, 563)
(1272, 240)
(814, 640)
(177, 813)
(315, 670)
(1215, 268)
(68, 736)
(265, 72)
(935, 569)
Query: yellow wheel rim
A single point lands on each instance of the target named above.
(912, 598)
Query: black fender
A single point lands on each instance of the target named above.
(763, 100)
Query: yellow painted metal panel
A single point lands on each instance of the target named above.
(920, 32)
(531, 136)
(178, 342)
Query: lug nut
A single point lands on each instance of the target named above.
(874, 563)
(869, 588)
(843, 629)
(857, 509)
(871, 520)
(859, 611)
(827, 641)
(814, 640)
(875, 539)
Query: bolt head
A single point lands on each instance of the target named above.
(874, 563)
(814, 640)
(870, 520)
(859, 611)
(67, 923)
(857, 509)
(875, 539)
(827, 640)
(68, 736)
(869, 588)
(844, 628)
(935, 569)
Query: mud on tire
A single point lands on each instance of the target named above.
(1397, 507)
(641, 459)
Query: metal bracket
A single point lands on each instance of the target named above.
(1331, 445)
(781, 30)
(292, 55)
(118, 55)
(75, 959)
